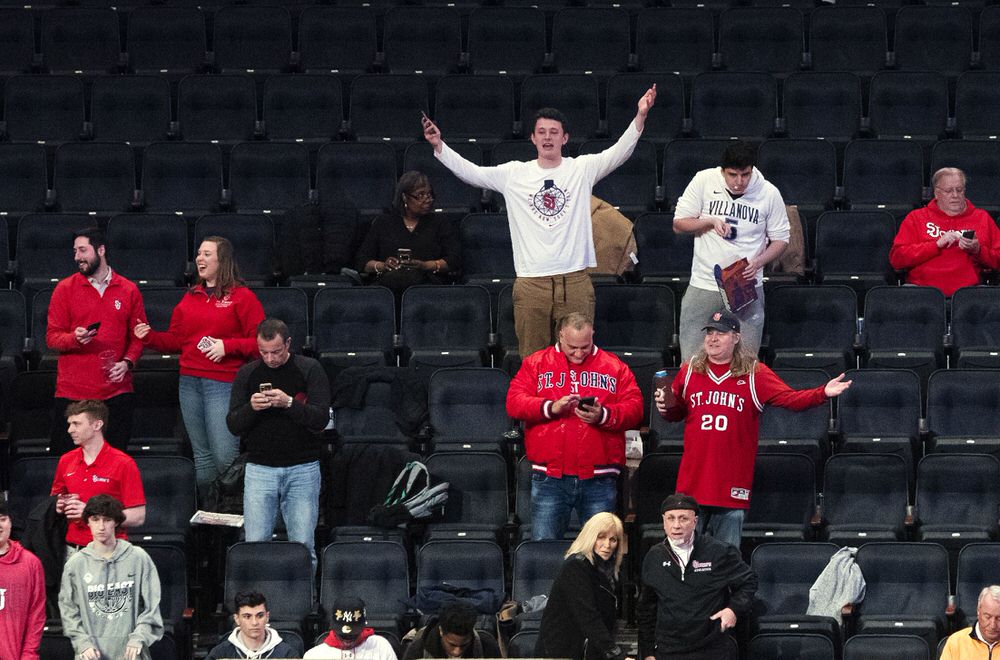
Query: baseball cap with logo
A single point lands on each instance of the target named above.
(723, 321)
(349, 617)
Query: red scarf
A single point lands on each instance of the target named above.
(337, 643)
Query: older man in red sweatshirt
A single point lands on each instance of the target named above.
(948, 243)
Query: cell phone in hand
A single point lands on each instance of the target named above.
(587, 401)
(404, 255)
(205, 343)
(93, 326)
(264, 387)
(969, 234)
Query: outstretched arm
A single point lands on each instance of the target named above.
(431, 133)
(645, 103)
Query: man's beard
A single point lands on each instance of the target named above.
(88, 268)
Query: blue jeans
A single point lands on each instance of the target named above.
(553, 499)
(204, 406)
(295, 489)
(723, 524)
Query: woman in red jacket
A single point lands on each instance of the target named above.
(214, 327)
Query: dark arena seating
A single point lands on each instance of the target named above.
(163, 122)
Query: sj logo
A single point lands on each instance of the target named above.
(3, 598)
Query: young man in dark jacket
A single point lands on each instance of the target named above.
(452, 634)
(693, 589)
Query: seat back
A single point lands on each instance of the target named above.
(848, 38)
(811, 317)
(975, 317)
(424, 40)
(883, 174)
(162, 39)
(865, 489)
(303, 106)
(959, 490)
(574, 94)
(252, 39)
(634, 317)
(445, 317)
(356, 175)
(182, 177)
(880, 403)
(731, 104)
(169, 484)
(536, 565)
(383, 106)
(23, 178)
(291, 305)
(784, 490)
(353, 319)
(252, 236)
(937, 38)
(337, 39)
(761, 39)
(468, 403)
(149, 247)
(909, 103)
(377, 572)
(785, 573)
(286, 577)
(594, 40)
(854, 243)
(217, 107)
(477, 493)
(904, 579)
(130, 108)
(47, 109)
(822, 104)
(911, 317)
(471, 564)
(675, 38)
(80, 39)
(268, 176)
(963, 402)
(978, 566)
(506, 39)
(94, 177)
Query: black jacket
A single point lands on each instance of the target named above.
(673, 611)
(427, 644)
(579, 617)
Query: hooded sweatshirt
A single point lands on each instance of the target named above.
(110, 603)
(22, 603)
(755, 217)
(915, 248)
(233, 647)
(368, 646)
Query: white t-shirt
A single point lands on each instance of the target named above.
(375, 647)
(757, 215)
(548, 209)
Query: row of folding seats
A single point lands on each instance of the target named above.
(512, 40)
(223, 108)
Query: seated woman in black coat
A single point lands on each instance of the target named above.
(409, 245)
(579, 619)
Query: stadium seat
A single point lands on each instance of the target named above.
(883, 174)
(975, 327)
(864, 498)
(43, 109)
(592, 40)
(933, 39)
(978, 566)
(962, 411)
(303, 107)
(44, 249)
(168, 482)
(822, 104)
(783, 501)
(761, 39)
(507, 346)
(477, 495)
(97, 178)
(217, 108)
(41, 356)
(182, 178)
(779, 646)
(157, 427)
(904, 328)
(535, 567)
(906, 589)
(805, 171)
(149, 248)
(886, 647)
(625, 89)
(159, 303)
(682, 159)
(989, 38)
(171, 567)
(291, 306)
(677, 39)
(445, 326)
(337, 39)
(852, 248)
(467, 408)
(268, 177)
(786, 572)
(474, 108)
(909, 105)
(166, 40)
(252, 39)
(506, 40)
(798, 432)
(17, 40)
(728, 104)
(487, 255)
(30, 406)
(23, 179)
(356, 175)
(655, 478)
(422, 40)
(980, 160)
(976, 94)
(133, 109)
(80, 40)
(630, 188)
(470, 564)
(30, 483)
(664, 256)
(848, 38)
(386, 108)
(354, 327)
(811, 327)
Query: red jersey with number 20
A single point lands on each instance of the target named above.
(721, 414)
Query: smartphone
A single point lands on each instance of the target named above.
(264, 387)
(204, 343)
(404, 254)
(93, 326)
(587, 401)
(969, 234)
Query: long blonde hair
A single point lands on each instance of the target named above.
(743, 363)
(593, 528)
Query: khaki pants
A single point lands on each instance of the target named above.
(540, 301)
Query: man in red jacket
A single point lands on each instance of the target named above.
(576, 401)
(91, 316)
(22, 596)
(949, 242)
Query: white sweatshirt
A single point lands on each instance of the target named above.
(548, 209)
(757, 215)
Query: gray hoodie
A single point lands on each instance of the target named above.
(109, 603)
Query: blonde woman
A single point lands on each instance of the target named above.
(579, 620)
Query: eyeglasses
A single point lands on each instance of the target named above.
(423, 194)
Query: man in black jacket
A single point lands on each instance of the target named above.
(693, 588)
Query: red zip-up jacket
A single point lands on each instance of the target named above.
(76, 303)
(233, 319)
(22, 604)
(565, 445)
